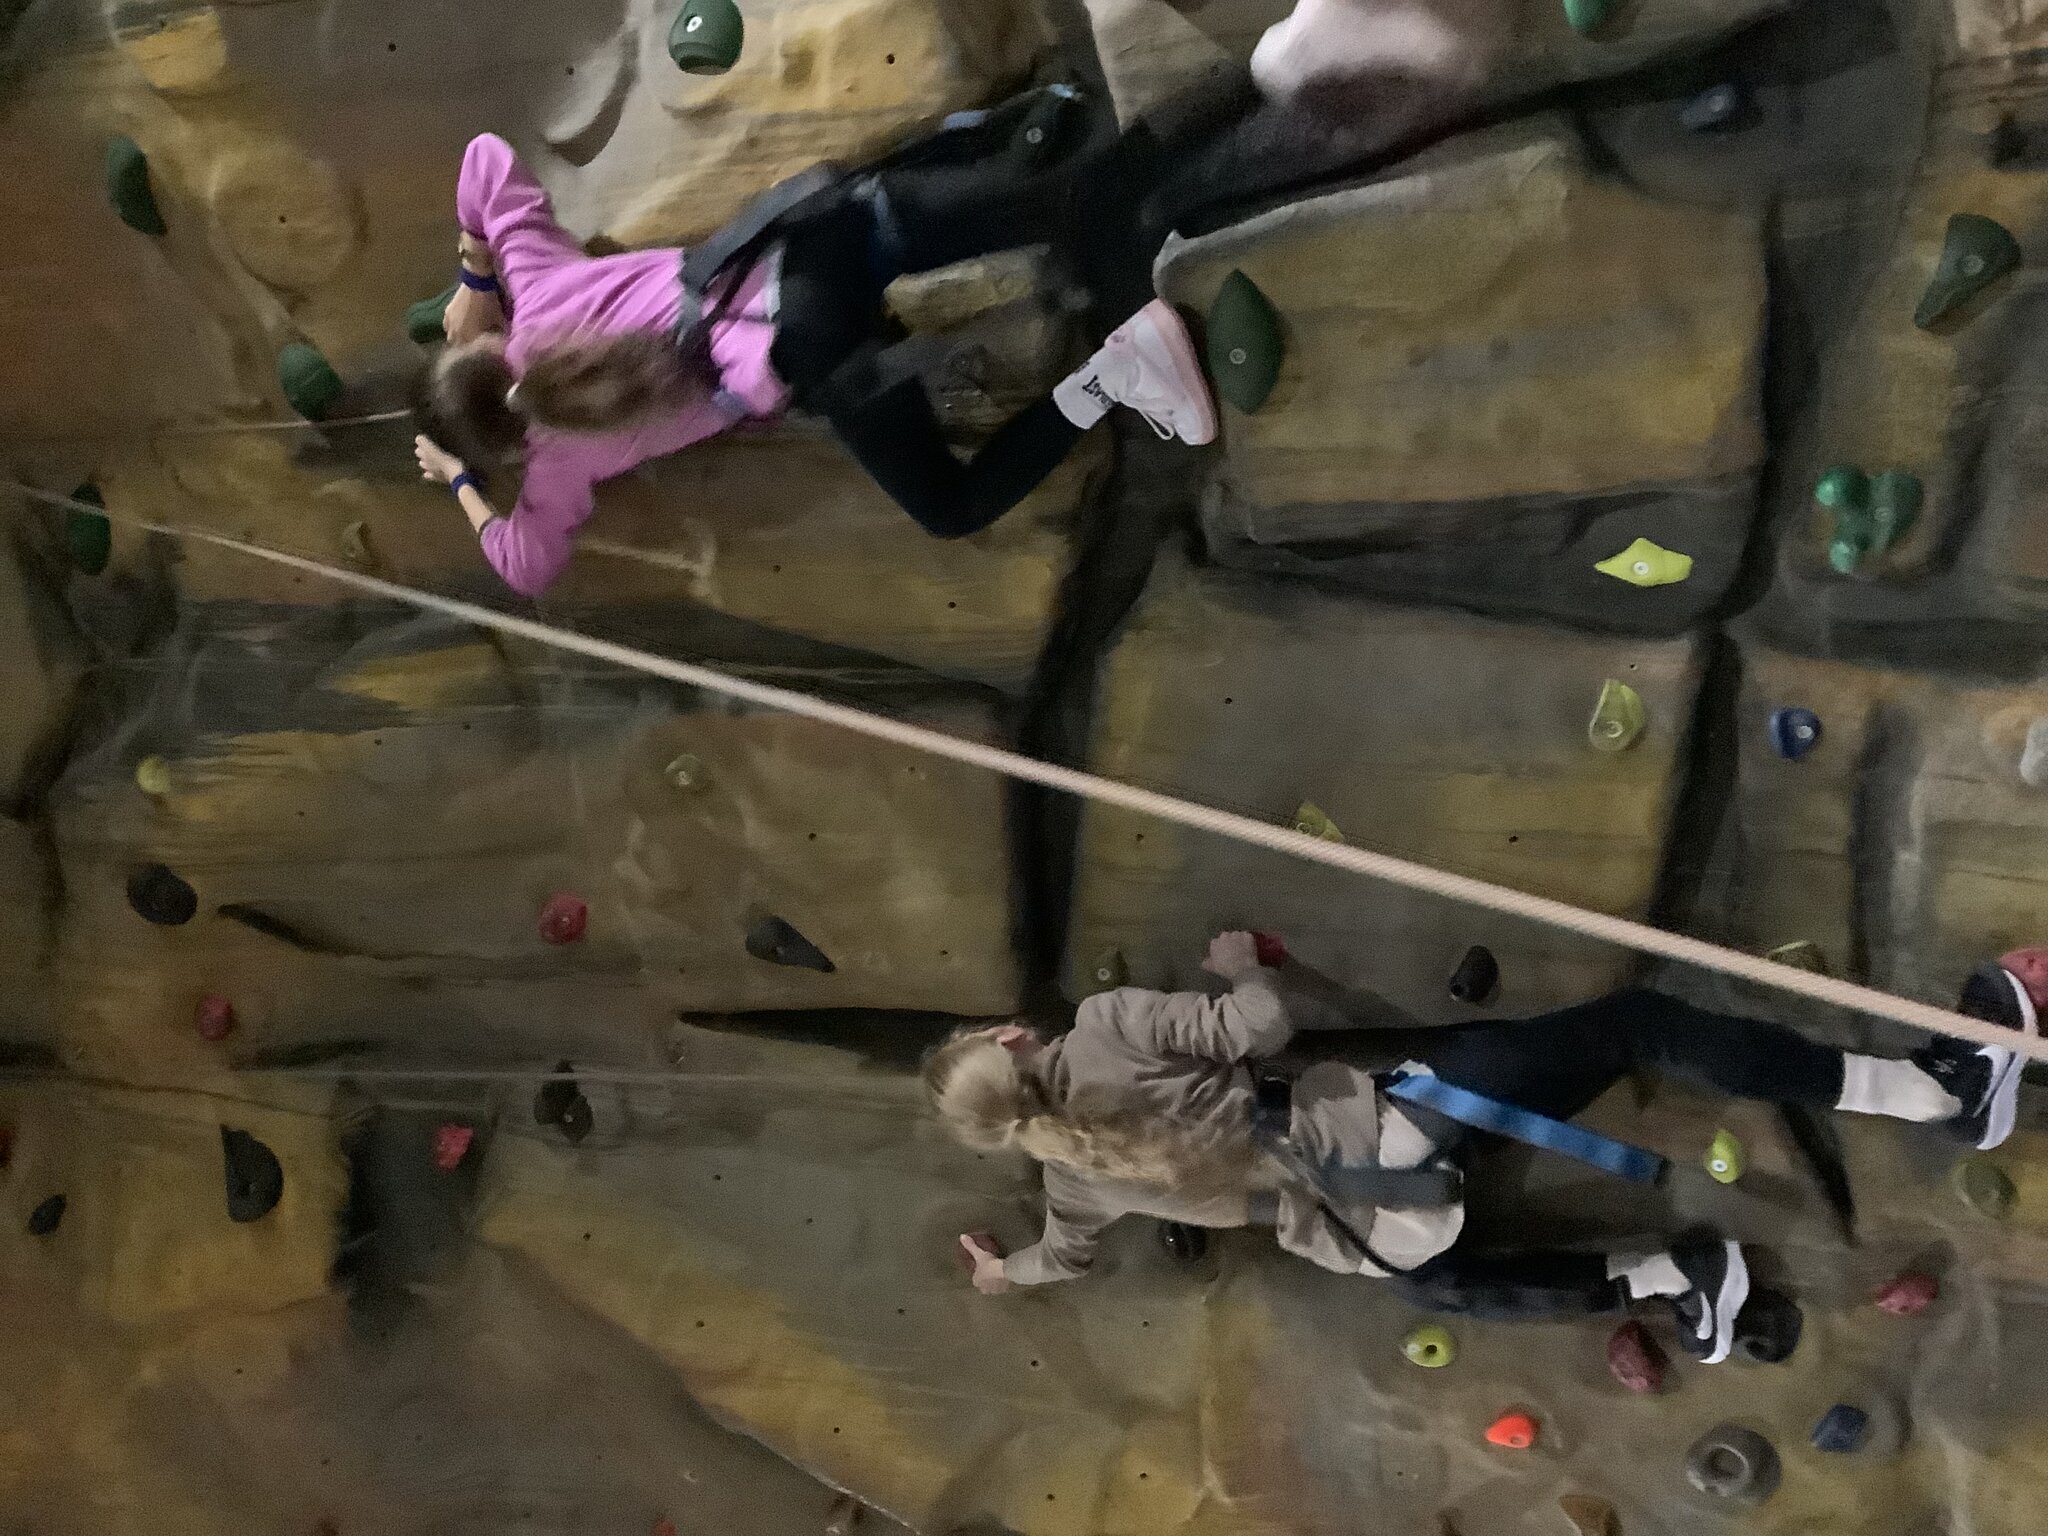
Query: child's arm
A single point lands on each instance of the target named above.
(506, 213)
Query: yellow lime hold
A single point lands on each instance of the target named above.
(1644, 564)
(1724, 1160)
(1311, 820)
(153, 776)
(1430, 1346)
(1618, 718)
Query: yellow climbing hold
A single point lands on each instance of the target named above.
(1618, 719)
(1313, 821)
(153, 776)
(1644, 564)
(685, 772)
(1724, 1160)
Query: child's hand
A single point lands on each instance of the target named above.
(1232, 955)
(436, 463)
(471, 314)
(989, 1278)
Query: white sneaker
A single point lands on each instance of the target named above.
(1148, 364)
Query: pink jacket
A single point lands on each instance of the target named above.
(552, 289)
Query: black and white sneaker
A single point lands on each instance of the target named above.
(1984, 1079)
(1720, 1285)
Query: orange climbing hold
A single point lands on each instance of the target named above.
(215, 1019)
(1512, 1431)
(564, 918)
(451, 1146)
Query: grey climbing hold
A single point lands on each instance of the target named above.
(355, 544)
(1477, 977)
(308, 380)
(1733, 1463)
(1245, 344)
(1618, 718)
(1841, 1430)
(1713, 109)
(88, 536)
(707, 37)
(129, 190)
(1985, 1187)
(160, 897)
(1794, 733)
(255, 1178)
(2034, 756)
(1800, 954)
(775, 941)
(46, 1218)
(1975, 253)
(1109, 969)
(424, 320)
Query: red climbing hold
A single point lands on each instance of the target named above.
(664, 1527)
(1635, 1359)
(215, 1019)
(564, 918)
(1272, 950)
(1909, 1295)
(451, 1146)
(1512, 1431)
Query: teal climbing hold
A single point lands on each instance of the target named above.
(88, 536)
(1588, 16)
(1872, 512)
(309, 381)
(1618, 718)
(423, 321)
(707, 37)
(1245, 344)
(1843, 486)
(129, 190)
(1644, 564)
(1976, 253)
(1895, 499)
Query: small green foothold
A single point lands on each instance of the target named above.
(1311, 820)
(1644, 564)
(1587, 16)
(88, 536)
(1976, 253)
(1724, 1160)
(1985, 1187)
(1244, 342)
(129, 190)
(1431, 1347)
(1843, 486)
(1618, 719)
(309, 381)
(685, 772)
(153, 776)
(1895, 499)
(707, 37)
(1109, 969)
(423, 321)
(1872, 513)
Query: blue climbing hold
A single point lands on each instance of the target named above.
(1841, 1430)
(1794, 733)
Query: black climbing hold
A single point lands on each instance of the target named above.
(44, 1219)
(161, 897)
(1841, 1430)
(128, 187)
(255, 1178)
(1976, 253)
(1186, 1244)
(88, 536)
(552, 1102)
(1477, 977)
(775, 941)
(1794, 733)
(423, 321)
(1768, 1327)
(707, 37)
(1730, 1462)
(308, 380)
(1245, 344)
(577, 1120)
(1715, 108)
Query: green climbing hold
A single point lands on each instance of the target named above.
(707, 37)
(1311, 820)
(308, 380)
(88, 536)
(1109, 969)
(1895, 499)
(1985, 1187)
(1843, 486)
(1724, 1160)
(1872, 513)
(423, 321)
(685, 772)
(1618, 719)
(1644, 564)
(1245, 344)
(129, 190)
(1588, 16)
(1431, 1347)
(1976, 253)
(153, 776)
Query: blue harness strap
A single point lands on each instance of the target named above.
(1524, 1125)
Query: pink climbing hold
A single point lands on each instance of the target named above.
(215, 1019)
(1909, 1295)
(564, 918)
(451, 1146)
(1272, 950)
(1635, 1359)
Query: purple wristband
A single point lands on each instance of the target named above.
(476, 280)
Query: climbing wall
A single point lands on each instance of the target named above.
(451, 1085)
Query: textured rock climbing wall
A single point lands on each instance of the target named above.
(721, 1284)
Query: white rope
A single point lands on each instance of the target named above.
(1619, 931)
(215, 428)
